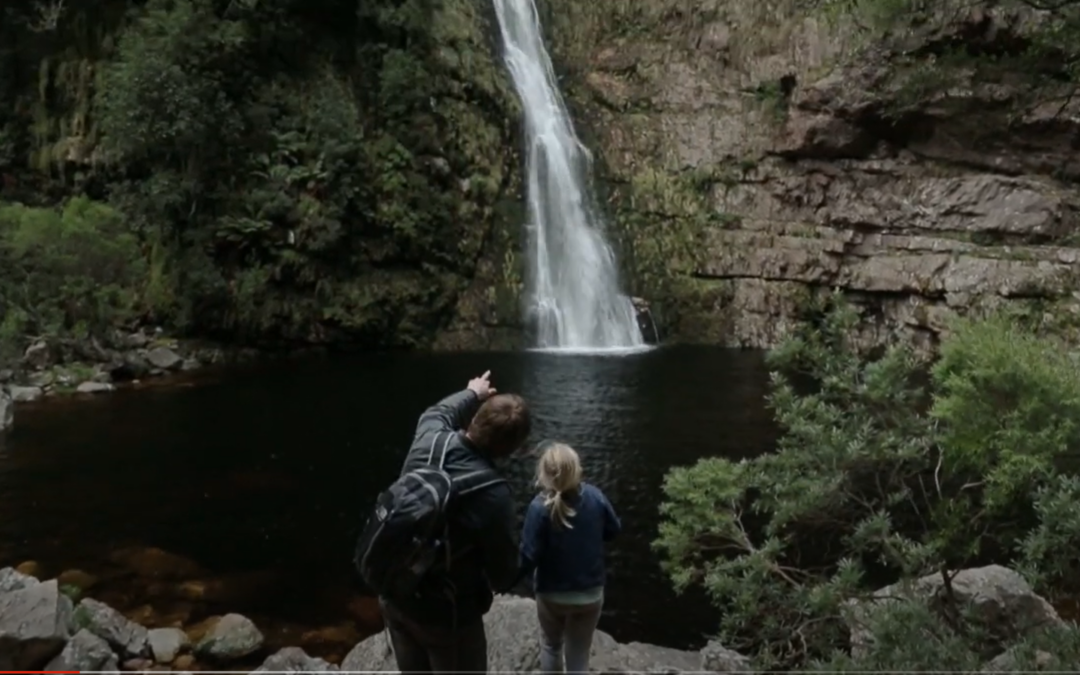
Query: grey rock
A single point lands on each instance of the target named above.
(34, 625)
(25, 394)
(1010, 662)
(94, 388)
(716, 658)
(38, 355)
(514, 646)
(138, 665)
(137, 340)
(42, 379)
(14, 580)
(166, 643)
(372, 655)
(102, 375)
(6, 375)
(294, 660)
(164, 358)
(513, 643)
(190, 364)
(126, 637)
(129, 366)
(7, 410)
(637, 657)
(1001, 600)
(233, 637)
(85, 651)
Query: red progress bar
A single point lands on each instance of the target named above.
(41, 672)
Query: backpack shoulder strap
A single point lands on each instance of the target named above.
(474, 481)
(439, 454)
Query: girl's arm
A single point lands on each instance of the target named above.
(612, 524)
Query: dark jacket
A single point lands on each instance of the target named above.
(483, 524)
(569, 559)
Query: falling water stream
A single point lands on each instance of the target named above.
(575, 301)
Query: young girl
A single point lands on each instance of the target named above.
(563, 541)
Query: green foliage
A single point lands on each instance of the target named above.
(911, 637)
(73, 592)
(880, 475)
(1042, 47)
(70, 271)
(163, 94)
(292, 171)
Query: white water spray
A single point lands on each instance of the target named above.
(573, 280)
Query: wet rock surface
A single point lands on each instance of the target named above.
(7, 409)
(85, 651)
(231, 637)
(166, 643)
(127, 637)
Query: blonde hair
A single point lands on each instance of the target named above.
(557, 473)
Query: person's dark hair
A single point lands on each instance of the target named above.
(501, 425)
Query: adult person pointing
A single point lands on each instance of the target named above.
(435, 618)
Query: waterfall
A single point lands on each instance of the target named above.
(574, 298)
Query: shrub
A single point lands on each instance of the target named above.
(76, 270)
(910, 637)
(880, 474)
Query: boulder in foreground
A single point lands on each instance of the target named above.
(127, 637)
(35, 624)
(232, 637)
(86, 652)
(294, 660)
(1003, 603)
(514, 646)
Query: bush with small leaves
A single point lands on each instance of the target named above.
(73, 271)
(881, 473)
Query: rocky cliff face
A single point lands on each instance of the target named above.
(756, 156)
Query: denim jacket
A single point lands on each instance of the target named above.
(569, 559)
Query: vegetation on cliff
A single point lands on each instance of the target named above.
(273, 171)
(885, 474)
(1038, 52)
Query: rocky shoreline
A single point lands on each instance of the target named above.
(43, 627)
(58, 367)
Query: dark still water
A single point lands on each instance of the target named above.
(260, 478)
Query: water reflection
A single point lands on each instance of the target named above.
(585, 401)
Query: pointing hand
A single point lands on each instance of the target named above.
(482, 386)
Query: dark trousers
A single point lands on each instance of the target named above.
(435, 649)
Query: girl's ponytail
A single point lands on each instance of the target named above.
(558, 473)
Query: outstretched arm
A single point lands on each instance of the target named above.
(456, 410)
(450, 414)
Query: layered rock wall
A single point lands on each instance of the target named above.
(755, 155)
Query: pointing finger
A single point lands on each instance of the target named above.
(486, 375)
